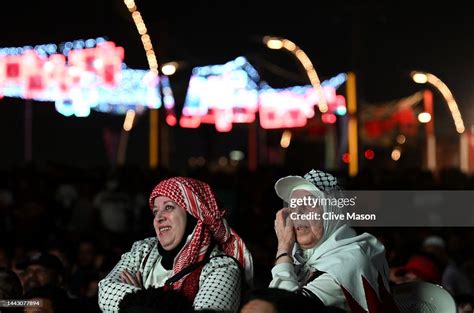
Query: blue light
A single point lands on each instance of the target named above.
(64, 107)
(49, 49)
(52, 48)
(335, 81)
(240, 61)
(341, 110)
(90, 43)
(78, 44)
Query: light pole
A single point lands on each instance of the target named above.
(428, 78)
(123, 142)
(352, 127)
(278, 43)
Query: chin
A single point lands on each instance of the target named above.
(306, 244)
(167, 247)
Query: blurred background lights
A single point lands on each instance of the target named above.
(222, 161)
(419, 78)
(200, 161)
(401, 139)
(89, 78)
(424, 117)
(369, 154)
(328, 118)
(171, 120)
(169, 68)
(396, 154)
(236, 155)
(423, 77)
(346, 158)
(285, 139)
(129, 118)
(273, 43)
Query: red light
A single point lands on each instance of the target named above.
(274, 118)
(171, 120)
(369, 154)
(223, 120)
(13, 70)
(189, 121)
(345, 158)
(328, 118)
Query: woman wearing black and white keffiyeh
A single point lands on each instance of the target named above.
(324, 258)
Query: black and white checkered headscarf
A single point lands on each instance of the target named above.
(322, 180)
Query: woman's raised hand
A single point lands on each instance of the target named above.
(284, 231)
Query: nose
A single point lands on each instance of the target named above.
(161, 218)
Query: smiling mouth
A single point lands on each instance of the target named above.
(164, 229)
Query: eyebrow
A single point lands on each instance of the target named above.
(155, 207)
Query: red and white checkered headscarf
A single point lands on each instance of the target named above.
(198, 199)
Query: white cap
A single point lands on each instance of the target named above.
(285, 185)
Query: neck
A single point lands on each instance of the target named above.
(168, 256)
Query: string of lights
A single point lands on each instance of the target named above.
(51, 48)
(145, 38)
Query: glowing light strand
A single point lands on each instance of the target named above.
(423, 77)
(145, 38)
(452, 104)
(278, 43)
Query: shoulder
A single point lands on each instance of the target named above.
(367, 247)
(147, 242)
(218, 260)
(144, 245)
(364, 252)
(222, 272)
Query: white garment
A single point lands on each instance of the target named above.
(342, 255)
(158, 275)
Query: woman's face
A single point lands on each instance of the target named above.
(307, 232)
(169, 222)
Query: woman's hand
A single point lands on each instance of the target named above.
(127, 278)
(284, 231)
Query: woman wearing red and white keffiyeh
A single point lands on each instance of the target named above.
(194, 252)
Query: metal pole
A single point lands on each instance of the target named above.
(154, 137)
(28, 131)
(122, 148)
(252, 146)
(330, 146)
(352, 127)
(464, 152)
(430, 134)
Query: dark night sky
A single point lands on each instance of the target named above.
(381, 40)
